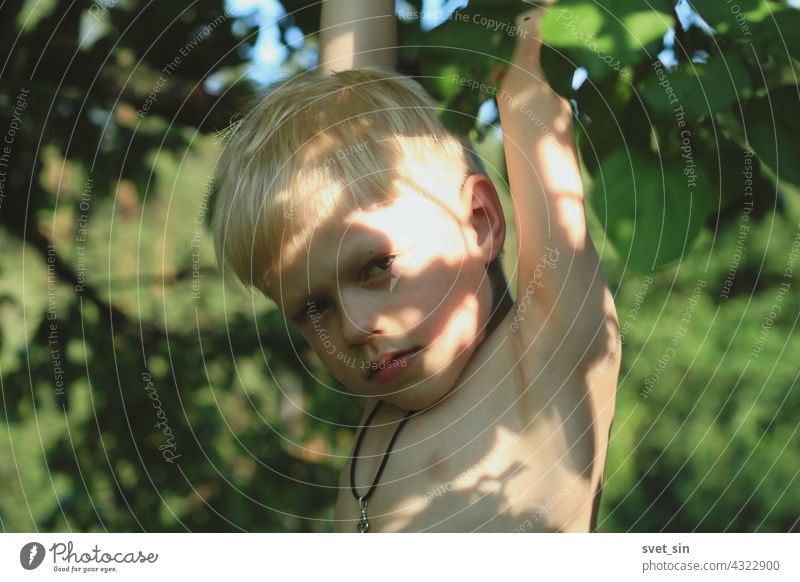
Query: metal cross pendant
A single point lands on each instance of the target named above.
(363, 524)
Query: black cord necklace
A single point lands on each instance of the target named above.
(363, 524)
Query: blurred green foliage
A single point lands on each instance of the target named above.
(108, 269)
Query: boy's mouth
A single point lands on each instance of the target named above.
(390, 365)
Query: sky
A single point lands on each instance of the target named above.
(269, 52)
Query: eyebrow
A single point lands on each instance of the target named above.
(362, 248)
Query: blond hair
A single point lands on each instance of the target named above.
(320, 144)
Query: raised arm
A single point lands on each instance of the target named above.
(558, 265)
(357, 33)
(559, 269)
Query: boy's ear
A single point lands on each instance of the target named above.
(486, 215)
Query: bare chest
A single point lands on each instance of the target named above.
(475, 463)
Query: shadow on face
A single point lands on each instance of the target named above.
(404, 276)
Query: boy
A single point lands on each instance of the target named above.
(378, 234)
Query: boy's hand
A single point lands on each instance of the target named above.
(526, 62)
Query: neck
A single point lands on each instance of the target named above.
(501, 303)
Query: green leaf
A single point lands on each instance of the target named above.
(558, 70)
(460, 113)
(772, 127)
(737, 18)
(739, 173)
(700, 88)
(772, 69)
(778, 33)
(608, 119)
(480, 39)
(650, 213)
(464, 49)
(441, 80)
(607, 36)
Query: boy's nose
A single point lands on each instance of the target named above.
(359, 318)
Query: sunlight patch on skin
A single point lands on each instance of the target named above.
(483, 482)
(572, 221)
(427, 220)
(561, 176)
(563, 183)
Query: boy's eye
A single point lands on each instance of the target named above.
(379, 267)
(314, 309)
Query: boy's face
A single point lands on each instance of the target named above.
(394, 298)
